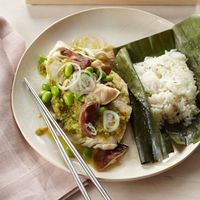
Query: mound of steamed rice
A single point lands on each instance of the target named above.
(170, 87)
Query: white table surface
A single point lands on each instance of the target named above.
(181, 182)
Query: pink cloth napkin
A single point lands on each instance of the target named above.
(23, 173)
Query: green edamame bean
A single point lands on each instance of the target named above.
(67, 149)
(77, 97)
(41, 93)
(55, 90)
(87, 152)
(41, 59)
(68, 98)
(102, 109)
(69, 152)
(46, 86)
(103, 75)
(95, 75)
(97, 72)
(90, 69)
(68, 70)
(46, 97)
(108, 78)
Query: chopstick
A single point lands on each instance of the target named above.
(65, 156)
(49, 121)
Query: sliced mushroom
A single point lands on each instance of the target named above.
(65, 52)
(107, 68)
(88, 115)
(104, 158)
(104, 94)
(83, 61)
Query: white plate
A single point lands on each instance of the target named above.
(117, 26)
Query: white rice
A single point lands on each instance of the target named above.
(170, 87)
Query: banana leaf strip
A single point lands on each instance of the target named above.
(185, 37)
(147, 130)
(142, 136)
(182, 134)
(154, 45)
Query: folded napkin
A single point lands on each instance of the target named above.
(23, 173)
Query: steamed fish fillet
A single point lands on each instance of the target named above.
(104, 140)
(113, 94)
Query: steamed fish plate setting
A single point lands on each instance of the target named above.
(87, 98)
(128, 107)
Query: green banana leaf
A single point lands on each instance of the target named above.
(185, 37)
(151, 143)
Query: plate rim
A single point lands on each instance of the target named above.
(52, 161)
